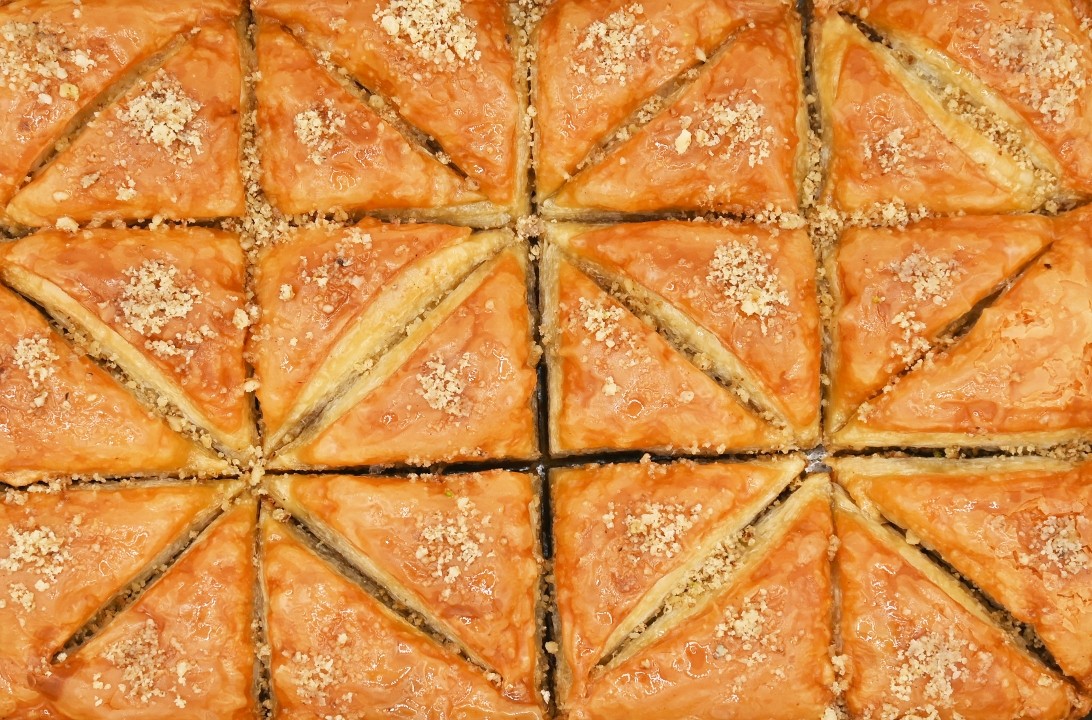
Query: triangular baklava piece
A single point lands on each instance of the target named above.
(323, 147)
(1029, 63)
(898, 291)
(166, 305)
(460, 386)
(62, 58)
(757, 647)
(64, 555)
(461, 549)
(60, 414)
(185, 648)
(916, 644)
(742, 296)
(453, 70)
(336, 650)
(627, 535)
(599, 63)
(333, 298)
(169, 147)
(615, 384)
(890, 139)
(1019, 528)
(1021, 375)
(731, 140)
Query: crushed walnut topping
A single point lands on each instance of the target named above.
(154, 296)
(749, 626)
(164, 115)
(742, 273)
(929, 664)
(714, 572)
(655, 529)
(143, 663)
(450, 543)
(610, 45)
(442, 386)
(437, 31)
(1046, 65)
(737, 127)
(41, 551)
(1059, 546)
(891, 151)
(34, 355)
(931, 277)
(911, 341)
(317, 128)
(40, 59)
(315, 676)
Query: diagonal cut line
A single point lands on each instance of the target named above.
(310, 536)
(948, 339)
(145, 579)
(643, 310)
(679, 609)
(110, 95)
(1011, 136)
(652, 107)
(378, 103)
(1022, 633)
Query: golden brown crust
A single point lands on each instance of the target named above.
(728, 142)
(169, 147)
(901, 289)
(65, 555)
(617, 385)
(166, 305)
(738, 651)
(913, 647)
(115, 34)
(336, 648)
(599, 61)
(749, 291)
(331, 296)
(461, 387)
(456, 83)
(1018, 528)
(460, 549)
(184, 648)
(889, 138)
(1020, 376)
(627, 534)
(322, 147)
(60, 414)
(1033, 57)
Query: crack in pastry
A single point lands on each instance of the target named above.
(900, 295)
(729, 140)
(609, 367)
(889, 137)
(1026, 61)
(461, 550)
(932, 649)
(473, 105)
(76, 56)
(154, 149)
(72, 553)
(1020, 374)
(719, 289)
(741, 643)
(651, 526)
(1016, 527)
(353, 655)
(171, 317)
